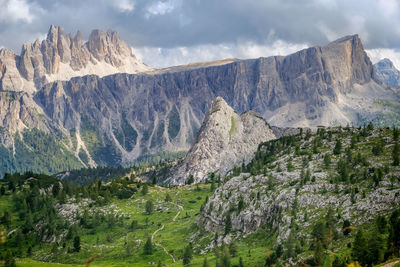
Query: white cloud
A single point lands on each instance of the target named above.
(327, 32)
(123, 5)
(161, 7)
(16, 10)
(377, 54)
(164, 57)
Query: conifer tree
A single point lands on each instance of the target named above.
(148, 247)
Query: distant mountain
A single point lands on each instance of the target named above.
(113, 120)
(61, 56)
(387, 72)
(225, 139)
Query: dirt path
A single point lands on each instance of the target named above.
(161, 228)
(390, 264)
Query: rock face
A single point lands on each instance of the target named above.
(114, 119)
(387, 72)
(225, 139)
(61, 57)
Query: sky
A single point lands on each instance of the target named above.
(172, 32)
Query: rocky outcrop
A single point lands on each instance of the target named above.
(61, 57)
(225, 139)
(387, 72)
(276, 198)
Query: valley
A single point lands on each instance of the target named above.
(309, 198)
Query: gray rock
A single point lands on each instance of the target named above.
(225, 139)
(387, 72)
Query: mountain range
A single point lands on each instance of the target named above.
(123, 109)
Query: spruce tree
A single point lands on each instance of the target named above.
(338, 147)
(148, 247)
(188, 254)
(149, 207)
(396, 150)
(228, 224)
(205, 262)
(77, 244)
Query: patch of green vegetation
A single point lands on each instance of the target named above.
(38, 152)
(157, 139)
(233, 128)
(127, 136)
(99, 146)
(83, 156)
(174, 124)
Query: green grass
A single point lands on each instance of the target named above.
(233, 129)
(174, 237)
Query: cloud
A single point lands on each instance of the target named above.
(15, 11)
(205, 26)
(123, 5)
(161, 7)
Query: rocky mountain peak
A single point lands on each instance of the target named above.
(61, 57)
(385, 63)
(54, 33)
(387, 72)
(225, 139)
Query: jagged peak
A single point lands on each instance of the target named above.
(54, 32)
(387, 63)
(218, 104)
(347, 38)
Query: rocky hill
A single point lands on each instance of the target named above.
(117, 118)
(387, 72)
(347, 175)
(225, 139)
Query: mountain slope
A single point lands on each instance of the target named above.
(296, 183)
(117, 118)
(387, 72)
(225, 139)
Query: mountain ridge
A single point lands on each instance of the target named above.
(114, 119)
(62, 56)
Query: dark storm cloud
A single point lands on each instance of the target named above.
(172, 23)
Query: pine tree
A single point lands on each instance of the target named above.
(338, 147)
(225, 258)
(205, 262)
(188, 254)
(395, 134)
(240, 204)
(241, 264)
(233, 249)
(149, 207)
(327, 160)
(228, 224)
(318, 253)
(77, 244)
(359, 248)
(190, 180)
(168, 198)
(148, 247)
(396, 150)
